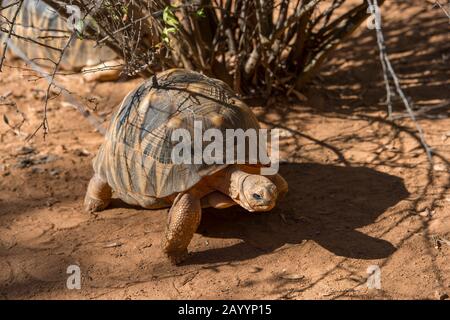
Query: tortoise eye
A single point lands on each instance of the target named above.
(256, 196)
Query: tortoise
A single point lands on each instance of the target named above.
(40, 33)
(135, 158)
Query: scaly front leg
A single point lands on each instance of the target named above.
(184, 218)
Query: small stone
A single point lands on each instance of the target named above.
(425, 213)
(46, 158)
(50, 202)
(24, 163)
(441, 295)
(37, 170)
(55, 172)
(24, 150)
(440, 167)
(113, 245)
(82, 153)
(292, 277)
(255, 269)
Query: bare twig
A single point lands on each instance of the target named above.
(260, 47)
(389, 72)
(422, 110)
(66, 93)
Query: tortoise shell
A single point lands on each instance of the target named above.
(135, 158)
(42, 24)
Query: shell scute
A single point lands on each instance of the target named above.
(136, 156)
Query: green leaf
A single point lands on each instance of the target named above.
(201, 13)
(165, 39)
(170, 30)
(165, 33)
(169, 18)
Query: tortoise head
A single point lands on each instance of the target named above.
(257, 193)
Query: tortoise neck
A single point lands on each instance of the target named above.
(233, 182)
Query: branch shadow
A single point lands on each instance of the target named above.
(352, 79)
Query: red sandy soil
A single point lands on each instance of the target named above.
(362, 191)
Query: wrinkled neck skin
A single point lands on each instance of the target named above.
(235, 186)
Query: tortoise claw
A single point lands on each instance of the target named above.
(176, 258)
(94, 205)
(98, 195)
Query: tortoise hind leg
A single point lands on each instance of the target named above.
(184, 218)
(98, 195)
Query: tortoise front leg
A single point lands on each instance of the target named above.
(98, 195)
(184, 218)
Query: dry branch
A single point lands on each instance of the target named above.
(257, 46)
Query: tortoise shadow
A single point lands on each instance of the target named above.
(325, 204)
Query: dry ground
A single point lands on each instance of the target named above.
(361, 191)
